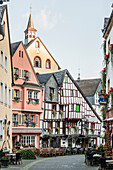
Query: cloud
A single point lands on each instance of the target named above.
(47, 20)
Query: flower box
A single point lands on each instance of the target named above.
(26, 78)
(36, 101)
(16, 99)
(16, 76)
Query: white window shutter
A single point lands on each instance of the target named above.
(19, 73)
(20, 95)
(37, 119)
(23, 74)
(20, 122)
(12, 94)
(29, 75)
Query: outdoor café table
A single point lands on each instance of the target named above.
(96, 158)
(11, 156)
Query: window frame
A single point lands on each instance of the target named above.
(39, 65)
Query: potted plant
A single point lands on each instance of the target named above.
(27, 124)
(36, 101)
(33, 124)
(5, 161)
(87, 131)
(54, 113)
(50, 131)
(16, 76)
(92, 131)
(76, 129)
(16, 99)
(104, 78)
(30, 100)
(111, 93)
(58, 130)
(26, 78)
(61, 113)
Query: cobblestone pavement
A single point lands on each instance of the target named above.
(75, 162)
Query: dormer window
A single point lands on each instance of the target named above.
(37, 62)
(48, 64)
(51, 94)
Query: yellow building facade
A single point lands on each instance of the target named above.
(42, 60)
(5, 84)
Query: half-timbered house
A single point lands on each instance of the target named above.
(70, 120)
(26, 99)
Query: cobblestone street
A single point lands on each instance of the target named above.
(75, 162)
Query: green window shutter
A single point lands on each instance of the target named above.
(66, 79)
(77, 108)
(61, 92)
(12, 94)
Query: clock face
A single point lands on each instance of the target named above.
(37, 51)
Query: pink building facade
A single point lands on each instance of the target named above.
(27, 96)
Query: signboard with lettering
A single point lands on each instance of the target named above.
(102, 100)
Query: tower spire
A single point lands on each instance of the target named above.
(30, 32)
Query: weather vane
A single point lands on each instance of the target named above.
(30, 7)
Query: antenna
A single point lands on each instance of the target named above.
(30, 7)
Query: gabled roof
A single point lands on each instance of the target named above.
(89, 86)
(27, 45)
(2, 9)
(43, 78)
(107, 25)
(14, 47)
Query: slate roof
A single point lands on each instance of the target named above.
(43, 78)
(2, 9)
(89, 86)
(14, 47)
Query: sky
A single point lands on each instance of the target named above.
(70, 29)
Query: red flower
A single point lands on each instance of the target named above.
(111, 45)
(13, 121)
(104, 69)
(68, 125)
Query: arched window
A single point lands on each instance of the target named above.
(37, 62)
(48, 63)
(37, 45)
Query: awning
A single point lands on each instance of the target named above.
(26, 130)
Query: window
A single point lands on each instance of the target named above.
(71, 93)
(61, 107)
(29, 94)
(96, 98)
(1, 129)
(54, 107)
(22, 54)
(14, 118)
(9, 97)
(92, 125)
(2, 58)
(37, 45)
(37, 62)
(35, 95)
(6, 63)
(72, 107)
(48, 64)
(19, 53)
(22, 118)
(28, 140)
(36, 119)
(66, 79)
(5, 94)
(16, 93)
(77, 108)
(57, 124)
(1, 92)
(50, 125)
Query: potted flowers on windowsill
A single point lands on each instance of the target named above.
(30, 100)
(16, 76)
(15, 123)
(26, 78)
(36, 101)
(54, 113)
(16, 99)
(69, 128)
(50, 131)
(27, 124)
(58, 130)
(33, 124)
